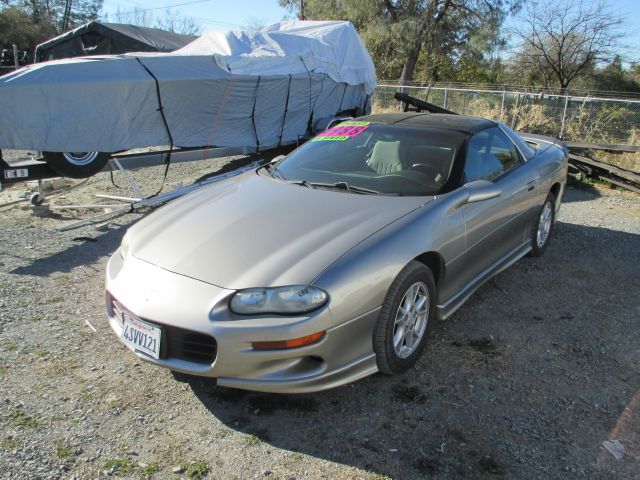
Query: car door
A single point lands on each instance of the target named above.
(494, 228)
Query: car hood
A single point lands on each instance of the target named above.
(254, 231)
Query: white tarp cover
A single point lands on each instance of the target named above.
(224, 89)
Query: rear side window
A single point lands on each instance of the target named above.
(490, 153)
(525, 149)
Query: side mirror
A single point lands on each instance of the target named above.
(279, 157)
(481, 190)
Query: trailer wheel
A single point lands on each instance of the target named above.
(76, 164)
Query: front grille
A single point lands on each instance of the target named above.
(177, 342)
(188, 345)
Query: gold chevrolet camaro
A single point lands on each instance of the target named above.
(330, 264)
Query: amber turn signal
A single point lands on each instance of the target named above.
(293, 343)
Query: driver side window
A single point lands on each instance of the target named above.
(489, 154)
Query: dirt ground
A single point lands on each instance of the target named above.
(527, 380)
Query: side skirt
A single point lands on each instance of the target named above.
(447, 309)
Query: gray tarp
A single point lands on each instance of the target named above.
(223, 89)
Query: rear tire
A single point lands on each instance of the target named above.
(76, 164)
(542, 227)
(403, 324)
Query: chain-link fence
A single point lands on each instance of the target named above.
(578, 118)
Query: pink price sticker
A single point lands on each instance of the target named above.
(342, 132)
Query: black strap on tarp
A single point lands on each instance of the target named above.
(364, 106)
(167, 160)
(286, 108)
(313, 109)
(253, 116)
(342, 98)
(310, 107)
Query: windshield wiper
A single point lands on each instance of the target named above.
(303, 183)
(274, 172)
(347, 187)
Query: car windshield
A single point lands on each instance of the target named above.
(365, 157)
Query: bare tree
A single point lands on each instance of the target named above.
(171, 21)
(560, 39)
(137, 16)
(254, 24)
(175, 22)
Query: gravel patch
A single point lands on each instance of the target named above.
(527, 380)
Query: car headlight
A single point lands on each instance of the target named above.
(281, 300)
(125, 247)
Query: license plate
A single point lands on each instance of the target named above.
(141, 335)
(16, 173)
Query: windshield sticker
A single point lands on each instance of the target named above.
(342, 132)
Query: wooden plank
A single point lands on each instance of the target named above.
(622, 184)
(619, 172)
(605, 146)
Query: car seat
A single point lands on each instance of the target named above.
(385, 157)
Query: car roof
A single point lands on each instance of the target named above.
(460, 123)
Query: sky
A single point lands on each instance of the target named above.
(211, 14)
(236, 14)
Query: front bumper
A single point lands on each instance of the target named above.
(156, 295)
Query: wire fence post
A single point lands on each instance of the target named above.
(15, 56)
(515, 112)
(564, 115)
(504, 94)
(446, 97)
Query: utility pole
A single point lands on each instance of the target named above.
(302, 10)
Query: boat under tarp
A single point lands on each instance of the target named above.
(264, 88)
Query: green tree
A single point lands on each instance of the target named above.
(17, 27)
(400, 33)
(613, 77)
(29, 22)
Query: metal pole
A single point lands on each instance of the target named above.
(15, 56)
(446, 97)
(515, 112)
(564, 115)
(504, 94)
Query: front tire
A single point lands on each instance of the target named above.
(402, 328)
(76, 164)
(543, 226)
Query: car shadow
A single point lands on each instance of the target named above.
(84, 251)
(502, 385)
(580, 193)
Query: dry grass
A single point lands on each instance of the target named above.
(589, 122)
(605, 125)
(628, 161)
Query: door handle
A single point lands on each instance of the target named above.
(531, 185)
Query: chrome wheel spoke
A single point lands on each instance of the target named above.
(420, 304)
(544, 224)
(398, 338)
(411, 319)
(415, 293)
(405, 306)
